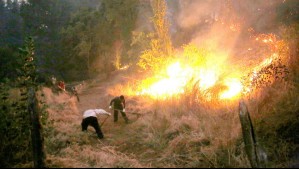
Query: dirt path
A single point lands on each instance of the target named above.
(116, 134)
(69, 147)
(95, 96)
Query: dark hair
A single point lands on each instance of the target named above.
(122, 97)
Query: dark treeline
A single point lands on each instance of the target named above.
(74, 39)
(77, 39)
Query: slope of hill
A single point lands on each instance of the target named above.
(162, 134)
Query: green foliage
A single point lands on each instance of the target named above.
(8, 63)
(123, 15)
(90, 38)
(97, 39)
(44, 20)
(15, 119)
(11, 22)
(90, 30)
(5, 124)
(15, 122)
(93, 34)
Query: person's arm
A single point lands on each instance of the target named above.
(111, 102)
(101, 111)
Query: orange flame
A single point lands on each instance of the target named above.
(171, 85)
(178, 77)
(208, 76)
(234, 89)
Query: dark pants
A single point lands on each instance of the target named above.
(93, 121)
(122, 113)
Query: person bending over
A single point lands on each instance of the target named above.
(90, 119)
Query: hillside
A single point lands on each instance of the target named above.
(68, 146)
(162, 133)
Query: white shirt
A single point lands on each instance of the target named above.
(94, 112)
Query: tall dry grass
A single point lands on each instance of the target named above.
(67, 146)
(183, 131)
(180, 131)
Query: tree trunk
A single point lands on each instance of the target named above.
(36, 131)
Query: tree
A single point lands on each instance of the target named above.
(10, 38)
(85, 38)
(11, 24)
(100, 37)
(122, 15)
(8, 63)
(3, 22)
(160, 51)
(162, 25)
(15, 118)
(44, 20)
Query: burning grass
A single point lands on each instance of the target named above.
(178, 131)
(191, 116)
(186, 115)
(182, 132)
(215, 74)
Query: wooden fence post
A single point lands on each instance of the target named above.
(256, 155)
(36, 130)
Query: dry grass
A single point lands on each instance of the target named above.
(183, 133)
(67, 146)
(191, 138)
(175, 132)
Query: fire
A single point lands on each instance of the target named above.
(214, 78)
(234, 89)
(174, 69)
(178, 77)
(207, 79)
(165, 87)
(174, 83)
(254, 74)
(267, 61)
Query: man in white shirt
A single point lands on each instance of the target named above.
(90, 118)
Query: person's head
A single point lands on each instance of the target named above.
(122, 97)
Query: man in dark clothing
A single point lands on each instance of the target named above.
(119, 105)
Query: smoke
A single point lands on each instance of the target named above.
(224, 26)
(192, 13)
(143, 22)
(222, 22)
